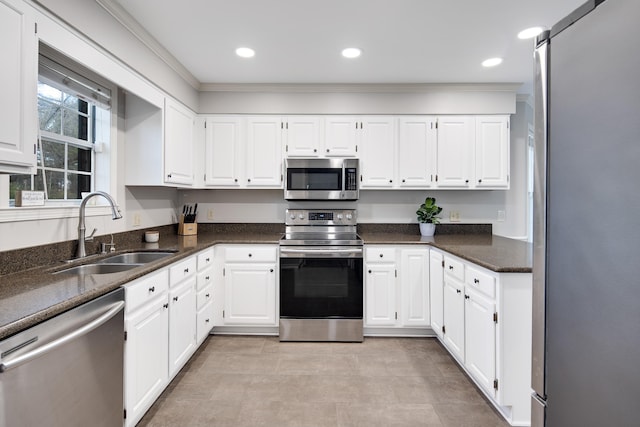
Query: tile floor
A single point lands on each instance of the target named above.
(259, 381)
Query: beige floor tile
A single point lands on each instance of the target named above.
(259, 381)
(387, 415)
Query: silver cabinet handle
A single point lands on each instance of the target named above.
(20, 360)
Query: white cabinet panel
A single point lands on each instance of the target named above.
(492, 152)
(303, 136)
(378, 152)
(264, 152)
(456, 139)
(454, 317)
(380, 295)
(414, 287)
(182, 324)
(436, 284)
(223, 151)
(178, 143)
(18, 82)
(416, 151)
(250, 294)
(340, 136)
(480, 338)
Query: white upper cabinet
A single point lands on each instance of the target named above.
(341, 136)
(492, 152)
(264, 152)
(223, 151)
(18, 81)
(378, 152)
(302, 136)
(456, 140)
(416, 151)
(178, 143)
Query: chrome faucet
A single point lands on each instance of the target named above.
(115, 212)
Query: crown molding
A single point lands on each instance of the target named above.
(358, 88)
(134, 27)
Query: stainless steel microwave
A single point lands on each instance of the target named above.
(321, 179)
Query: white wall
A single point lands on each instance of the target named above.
(94, 22)
(362, 99)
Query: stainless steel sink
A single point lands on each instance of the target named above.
(136, 258)
(86, 269)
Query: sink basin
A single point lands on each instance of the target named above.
(136, 257)
(86, 269)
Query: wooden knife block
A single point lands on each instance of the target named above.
(187, 228)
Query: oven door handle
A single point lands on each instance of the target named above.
(321, 251)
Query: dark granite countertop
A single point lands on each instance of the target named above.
(495, 253)
(35, 294)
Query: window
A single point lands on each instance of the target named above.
(72, 112)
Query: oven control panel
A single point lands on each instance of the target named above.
(320, 217)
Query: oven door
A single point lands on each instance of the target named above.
(320, 282)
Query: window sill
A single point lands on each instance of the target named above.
(36, 213)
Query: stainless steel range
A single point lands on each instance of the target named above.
(321, 285)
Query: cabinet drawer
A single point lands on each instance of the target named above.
(481, 281)
(205, 278)
(205, 259)
(181, 270)
(379, 254)
(140, 291)
(203, 297)
(204, 319)
(250, 254)
(454, 268)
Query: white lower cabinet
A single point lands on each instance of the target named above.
(250, 292)
(163, 315)
(182, 324)
(146, 365)
(436, 291)
(486, 326)
(396, 286)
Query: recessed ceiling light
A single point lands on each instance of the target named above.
(351, 52)
(530, 33)
(245, 52)
(491, 62)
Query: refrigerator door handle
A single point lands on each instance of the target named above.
(539, 215)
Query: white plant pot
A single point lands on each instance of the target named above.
(427, 229)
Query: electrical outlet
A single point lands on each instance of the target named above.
(210, 213)
(136, 219)
(501, 215)
(454, 216)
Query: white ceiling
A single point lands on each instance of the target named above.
(299, 41)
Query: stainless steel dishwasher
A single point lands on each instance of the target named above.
(67, 371)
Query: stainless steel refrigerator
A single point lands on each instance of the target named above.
(586, 268)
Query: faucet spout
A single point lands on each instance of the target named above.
(115, 214)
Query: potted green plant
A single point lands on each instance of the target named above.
(427, 216)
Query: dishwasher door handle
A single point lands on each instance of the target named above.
(104, 318)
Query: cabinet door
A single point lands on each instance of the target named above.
(380, 295)
(223, 151)
(480, 338)
(178, 143)
(264, 152)
(455, 151)
(453, 317)
(303, 136)
(340, 136)
(492, 152)
(250, 294)
(416, 148)
(414, 287)
(146, 357)
(377, 152)
(436, 283)
(18, 81)
(182, 324)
